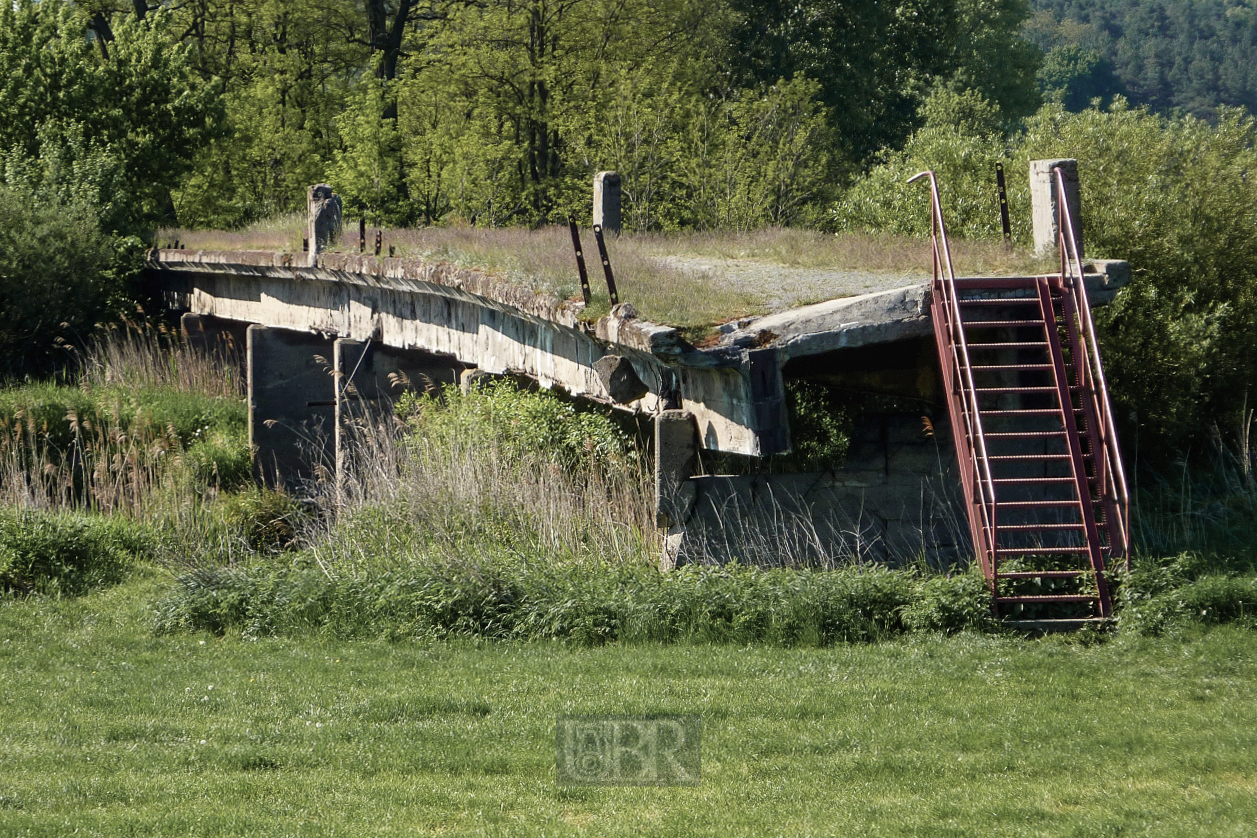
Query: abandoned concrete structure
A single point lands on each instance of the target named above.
(323, 335)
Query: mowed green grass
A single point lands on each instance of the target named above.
(106, 729)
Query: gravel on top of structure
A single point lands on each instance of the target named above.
(784, 287)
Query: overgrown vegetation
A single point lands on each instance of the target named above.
(495, 513)
(65, 554)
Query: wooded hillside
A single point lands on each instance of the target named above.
(1162, 53)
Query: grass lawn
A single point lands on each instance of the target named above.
(106, 729)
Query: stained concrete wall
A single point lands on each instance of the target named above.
(291, 406)
(895, 500)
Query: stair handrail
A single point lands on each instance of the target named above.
(1114, 478)
(944, 283)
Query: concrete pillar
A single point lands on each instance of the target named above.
(291, 406)
(1045, 202)
(676, 439)
(222, 340)
(324, 219)
(607, 202)
(370, 377)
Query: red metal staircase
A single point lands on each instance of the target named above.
(1033, 429)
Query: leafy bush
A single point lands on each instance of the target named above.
(269, 520)
(58, 275)
(519, 424)
(950, 604)
(1210, 600)
(507, 598)
(67, 555)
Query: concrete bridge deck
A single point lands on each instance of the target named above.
(324, 339)
(732, 383)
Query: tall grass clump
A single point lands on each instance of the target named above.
(142, 423)
(68, 554)
(628, 603)
(494, 469)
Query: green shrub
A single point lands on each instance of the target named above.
(579, 604)
(519, 424)
(68, 555)
(58, 276)
(1165, 603)
(269, 520)
(950, 604)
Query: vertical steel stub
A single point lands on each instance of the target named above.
(606, 265)
(580, 259)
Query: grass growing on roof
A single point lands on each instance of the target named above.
(661, 291)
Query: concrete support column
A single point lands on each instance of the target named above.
(676, 441)
(1045, 202)
(370, 377)
(222, 340)
(607, 202)
(291, 406)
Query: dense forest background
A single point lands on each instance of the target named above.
(1165, 54)
(733, 113)
(117, 116)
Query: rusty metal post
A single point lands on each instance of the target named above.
(606, 265)
(1003, 205)
(580, 259)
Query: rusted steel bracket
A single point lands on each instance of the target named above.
(606, 265)
(1003, 205)
(580, 258)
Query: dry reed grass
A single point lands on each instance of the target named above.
(842, 251)
(138, 356)
(472, 496)
(107, 453)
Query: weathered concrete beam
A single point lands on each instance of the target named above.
(882, 317)
(734, 389)
(483, 322)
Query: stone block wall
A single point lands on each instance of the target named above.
(896, 500)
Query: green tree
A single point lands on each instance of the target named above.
(876, 62)
(537, 77)
(1074, 76)
(58, 275)
(118, 129)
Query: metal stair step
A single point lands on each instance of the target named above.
(1026, 457)
(978, 325)
(1037, 598)
(1050, 626)
(1030, 411)
(1024, 434)
(1023, 344)
(1041, 574)
(1027, 481)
